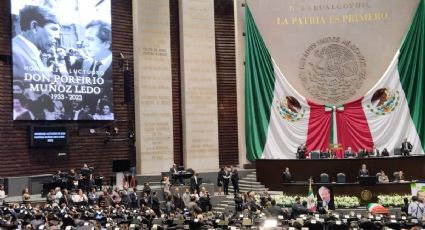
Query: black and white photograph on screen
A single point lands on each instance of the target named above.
(62, 60)
(325, 198)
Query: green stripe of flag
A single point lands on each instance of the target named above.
(259, 88)
(411, 69)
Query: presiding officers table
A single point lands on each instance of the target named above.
(269, 173)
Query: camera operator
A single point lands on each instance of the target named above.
(86, 177)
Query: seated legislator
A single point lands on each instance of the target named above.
(382, 178)
(325, 154)
(399, 177)
(363, 171)
(349, 153)
(286, 176)
(362, 153)
(385, 153)
(301, 151)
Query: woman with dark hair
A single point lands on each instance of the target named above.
(20, 111)
(106, 113)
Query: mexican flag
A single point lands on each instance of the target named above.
(311, 205)
(278, 119)
(394, 107)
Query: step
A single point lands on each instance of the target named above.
(250, 186)
(250, 179)
(243, 181)
(229, 201)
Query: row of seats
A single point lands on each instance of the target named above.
(340, 178)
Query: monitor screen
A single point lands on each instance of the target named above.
(48, 136)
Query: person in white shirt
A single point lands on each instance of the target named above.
(2, 195)
(417, 207)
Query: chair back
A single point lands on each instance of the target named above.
(341, 178)
(314, 155)
(324, 178)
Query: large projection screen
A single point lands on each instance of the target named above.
(62, 60)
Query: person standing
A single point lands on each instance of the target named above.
(301, 151)
(235, 179)
(186, 198)
(220, 180)
(406, 147)
(417, 208)
(155, 204)
(2, 195)
(363, 171)
(194, 183)
(287, 176)
(226, 179)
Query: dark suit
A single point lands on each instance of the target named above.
(348, 154)
(25, 56)
(235, 180)
(298, 209)
(362, 154)
(406, 148)
(287, 177)
(301, 152)
(385, 153)
(174, 175)
(156, 205)
(325, 155)
(178, 201)
(194, 184)
(81, 115)
(275, 211)
(363, 172)
(226, 179)
(322, 204)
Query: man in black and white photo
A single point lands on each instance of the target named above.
(39, 30)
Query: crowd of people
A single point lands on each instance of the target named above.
(331, 153)
(129, 208)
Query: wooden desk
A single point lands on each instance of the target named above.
(269, 172)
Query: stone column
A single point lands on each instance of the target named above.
(152, 86)
(199, 85)
(240, 78)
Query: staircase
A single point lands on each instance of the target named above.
(248, 183)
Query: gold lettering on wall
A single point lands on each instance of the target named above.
(328, 7)
(333, 19)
